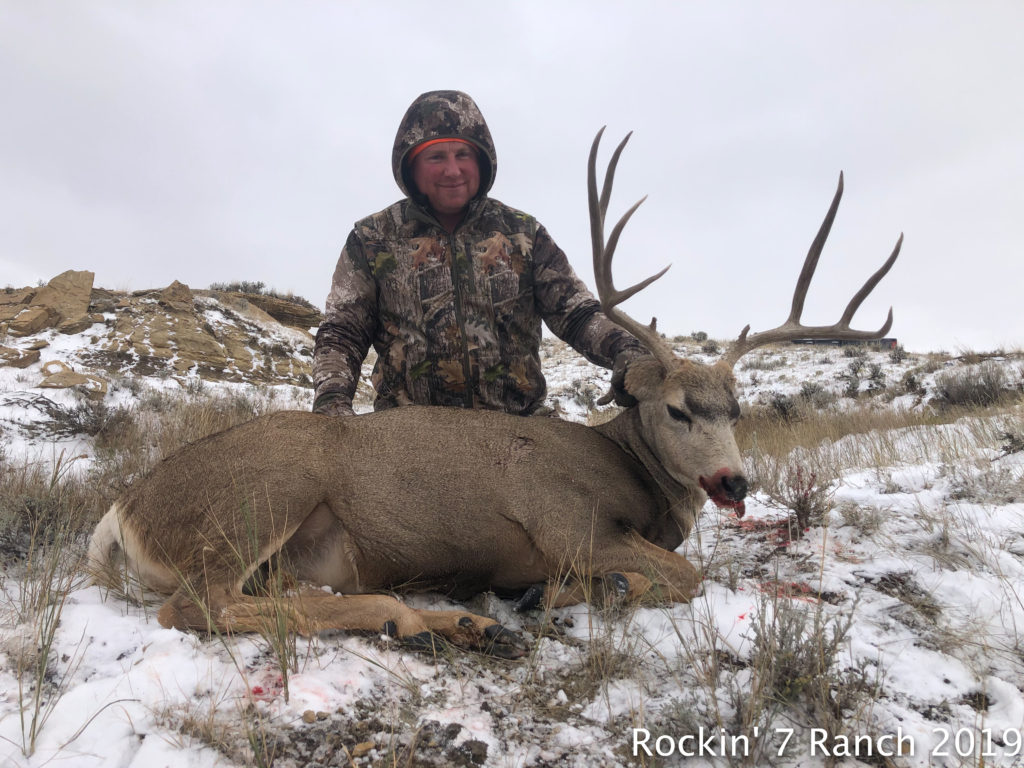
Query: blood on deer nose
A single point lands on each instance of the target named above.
(726, 489)
(735, 487)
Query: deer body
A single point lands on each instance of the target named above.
(424, 496)
(501, 507)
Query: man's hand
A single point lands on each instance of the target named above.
(619, 367)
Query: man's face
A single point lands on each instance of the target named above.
(448, 174)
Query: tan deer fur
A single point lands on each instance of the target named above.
(431, 497)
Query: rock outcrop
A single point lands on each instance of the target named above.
(172, 331)
(63, 303)
(290, 313)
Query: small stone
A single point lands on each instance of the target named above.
(309, 716)
(362, 748)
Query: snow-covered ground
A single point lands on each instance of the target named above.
(899, 619)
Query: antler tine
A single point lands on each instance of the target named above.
(603, 253)
(609, 175)
(792, 328)
(869, 286)
(813, 254)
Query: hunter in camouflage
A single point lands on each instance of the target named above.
(454, 314)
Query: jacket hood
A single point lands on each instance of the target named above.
(443, 115)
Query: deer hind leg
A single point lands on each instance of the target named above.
(311, 610)
(469, 630)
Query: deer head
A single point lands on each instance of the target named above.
(687, 409)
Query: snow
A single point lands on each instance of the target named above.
(934, 585)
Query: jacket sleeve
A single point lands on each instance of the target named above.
(349, 326)
(571, 311)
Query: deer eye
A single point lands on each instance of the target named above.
(678, 415)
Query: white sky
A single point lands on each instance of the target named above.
(219, 141)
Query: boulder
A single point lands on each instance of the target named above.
(31, 320)
(169, 331)
(13, 301)
(66, 299)
(51, 367)
(176, 296)
(59, 375)
(18, 358)
(90, 385)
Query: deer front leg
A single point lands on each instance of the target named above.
(630, 571)
(559, 593)
(670, 577)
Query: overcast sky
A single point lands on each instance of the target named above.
(221, 141)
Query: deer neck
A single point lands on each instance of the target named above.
(626, 431)
(677, 503)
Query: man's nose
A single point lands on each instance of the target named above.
(451, 166)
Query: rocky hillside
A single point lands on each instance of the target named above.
(173, 332)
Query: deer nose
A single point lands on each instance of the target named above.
(735, 487)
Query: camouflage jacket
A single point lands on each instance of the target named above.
(455, 318)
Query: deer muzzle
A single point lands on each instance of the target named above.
(727, 489)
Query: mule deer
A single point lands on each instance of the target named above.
(450, 498)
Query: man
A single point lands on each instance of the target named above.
(450, 286)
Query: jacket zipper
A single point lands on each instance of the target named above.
(460, 319)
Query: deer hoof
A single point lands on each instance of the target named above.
(425, 642)
(531, 599)
(504, 643)
(616, 586)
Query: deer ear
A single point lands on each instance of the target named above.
(725, 370)
(644, 377)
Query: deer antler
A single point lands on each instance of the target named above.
(609, 295)
(792, 329)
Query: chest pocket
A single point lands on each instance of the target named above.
(413, 279)
(502, 264)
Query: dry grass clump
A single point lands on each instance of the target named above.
(764, 431)
(41, 535)
(40, 503)
(127, 442)
(977, 386)
(259, 288)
